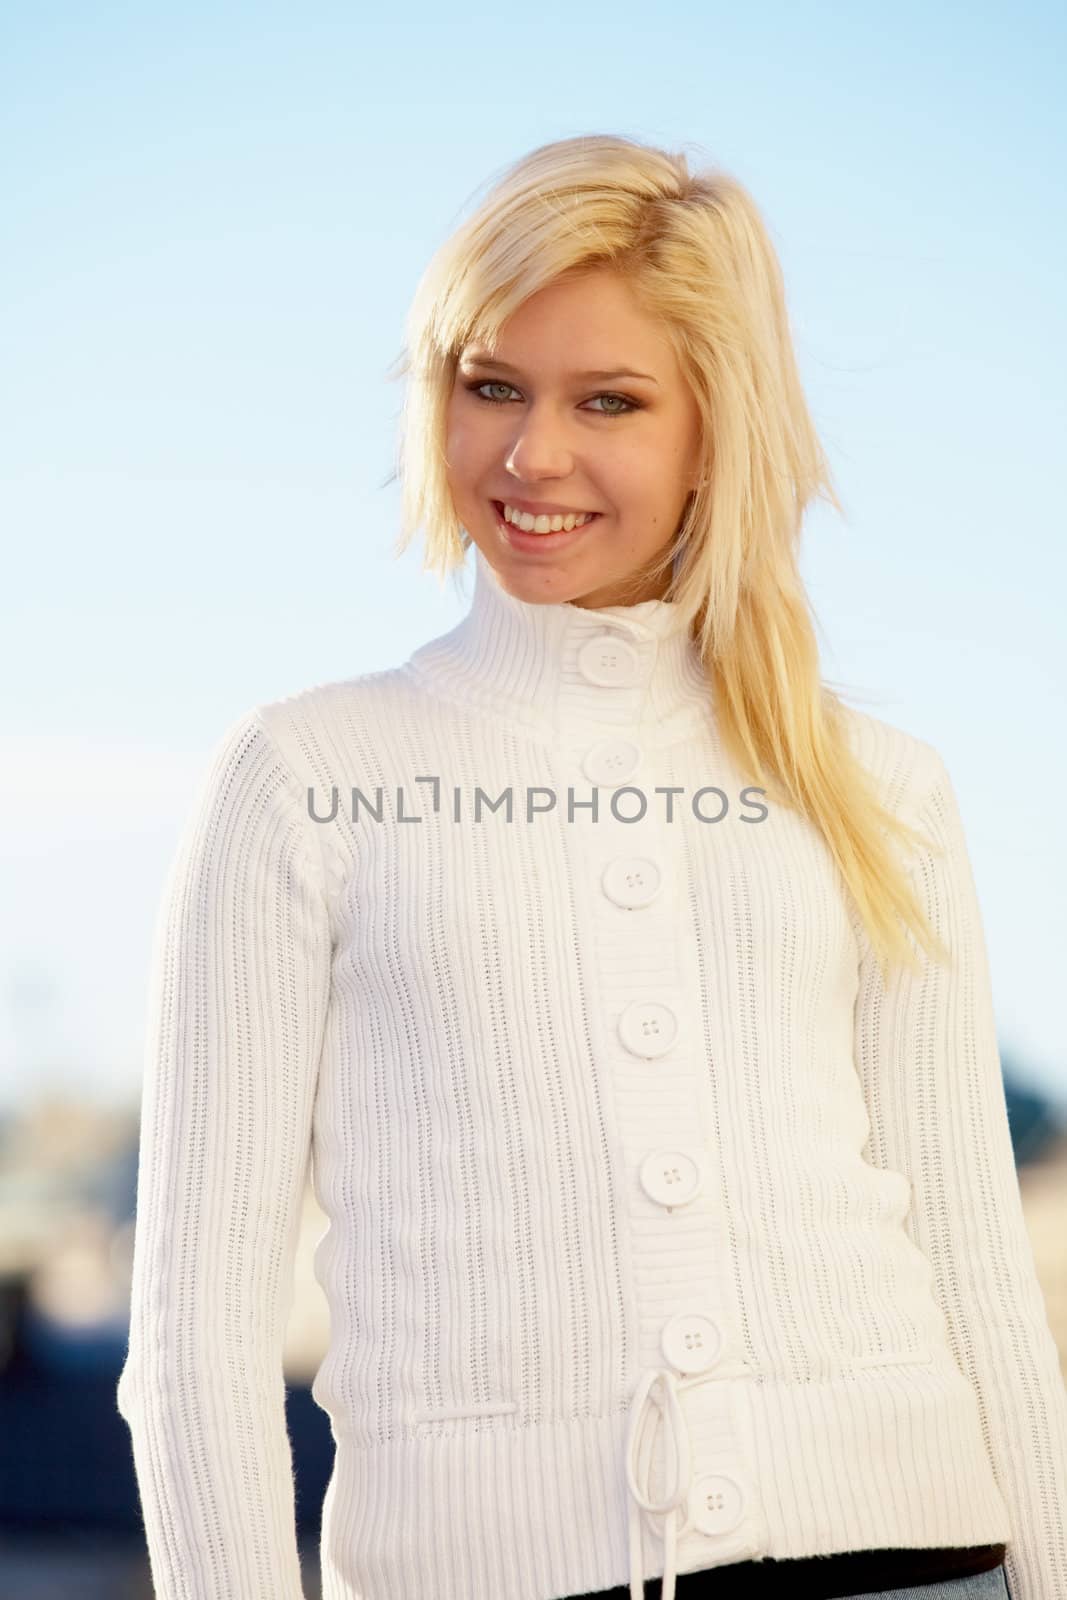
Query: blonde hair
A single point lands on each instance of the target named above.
(696, 251)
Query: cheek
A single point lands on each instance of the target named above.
(457, 452)
(466, 448)
(651, 473)
(635, 479)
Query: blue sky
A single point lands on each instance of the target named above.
(214, 220)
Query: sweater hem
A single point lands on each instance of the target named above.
(891, 1458)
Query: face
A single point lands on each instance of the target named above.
(582, 409)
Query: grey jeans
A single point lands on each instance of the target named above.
(979, 1586)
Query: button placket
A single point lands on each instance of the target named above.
(671, 1176)
(611, 661)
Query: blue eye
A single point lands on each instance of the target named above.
(489, 383)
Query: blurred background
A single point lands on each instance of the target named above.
(214, 219)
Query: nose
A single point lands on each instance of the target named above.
(540, 449)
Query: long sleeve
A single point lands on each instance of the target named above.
(926, 1050)
(238, 997)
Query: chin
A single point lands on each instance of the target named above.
(545, 584)
(533, 579)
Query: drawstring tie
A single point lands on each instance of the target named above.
(639, 1441)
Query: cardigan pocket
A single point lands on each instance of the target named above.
(420, 1416)
(923, 1357)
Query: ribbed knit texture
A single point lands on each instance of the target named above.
(584, 1099)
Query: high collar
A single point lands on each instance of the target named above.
(562, 667)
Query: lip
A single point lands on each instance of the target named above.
(538, 543)
(541, 508)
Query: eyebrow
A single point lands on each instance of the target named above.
(597, 377)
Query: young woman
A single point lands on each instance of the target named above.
(627, 994)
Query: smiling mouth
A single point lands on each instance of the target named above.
(530, 524)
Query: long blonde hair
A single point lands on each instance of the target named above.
(695, 249)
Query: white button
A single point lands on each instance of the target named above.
(612, 761)
(609, 661)
(691, 1342)
(648, 1029)
(671, 1177)
(716, 1503)
(631, 881)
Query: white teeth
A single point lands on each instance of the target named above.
(528, 523)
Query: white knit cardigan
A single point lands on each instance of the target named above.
(661, 1235)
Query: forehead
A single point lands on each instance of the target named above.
(589, 325)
